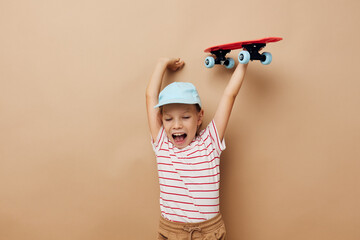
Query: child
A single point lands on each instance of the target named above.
(188, 159)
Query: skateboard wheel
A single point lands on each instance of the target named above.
(268, 58)
(244, 57)
(231, 63)
(209, 62)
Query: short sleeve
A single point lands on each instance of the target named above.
(210, 132)
(159, 140)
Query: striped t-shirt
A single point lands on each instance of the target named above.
(189, 177)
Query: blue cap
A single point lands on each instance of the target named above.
(179, 92)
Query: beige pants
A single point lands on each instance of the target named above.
(212, 229)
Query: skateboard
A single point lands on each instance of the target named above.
(250, 52)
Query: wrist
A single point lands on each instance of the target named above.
(163, 61)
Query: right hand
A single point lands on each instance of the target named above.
(173, 64)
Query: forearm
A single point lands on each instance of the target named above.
(226, 103)
(236, 80)
(154, 85)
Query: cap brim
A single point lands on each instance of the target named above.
(171, 101)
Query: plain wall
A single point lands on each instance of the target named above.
(75, 154)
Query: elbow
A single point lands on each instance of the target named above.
(230, 95)
(148, 93)
(149, 96)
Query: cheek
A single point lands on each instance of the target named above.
(166, 125)
(193, 125)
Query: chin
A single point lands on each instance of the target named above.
(180, 146)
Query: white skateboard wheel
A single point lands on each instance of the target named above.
(244, 57)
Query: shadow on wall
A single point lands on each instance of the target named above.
(261, 94)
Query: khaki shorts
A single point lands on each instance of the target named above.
(212, 229)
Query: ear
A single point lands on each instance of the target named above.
(200, 117)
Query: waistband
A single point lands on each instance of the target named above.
(206, 226)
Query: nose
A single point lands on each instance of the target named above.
(177, 124)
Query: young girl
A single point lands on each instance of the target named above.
(188, 159)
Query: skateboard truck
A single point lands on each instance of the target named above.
(251, 53)
(254, 49)
(220, 59)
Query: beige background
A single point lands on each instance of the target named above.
(75, 157)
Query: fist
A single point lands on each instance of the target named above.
(173, 64)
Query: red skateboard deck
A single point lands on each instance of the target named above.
(251, 52)
(238, 45)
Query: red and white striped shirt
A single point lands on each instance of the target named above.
(189, 177)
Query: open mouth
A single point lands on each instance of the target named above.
(179, 137)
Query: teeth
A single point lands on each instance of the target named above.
(178, 134)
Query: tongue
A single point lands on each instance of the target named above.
(179, 138)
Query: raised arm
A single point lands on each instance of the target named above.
(153, 90)
(223, 111)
